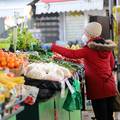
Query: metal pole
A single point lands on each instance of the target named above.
(15, 31)
(110, 6)
(64, 22)
(118, 57)
(118, 23)
(15, 38)
(111, 18)
(118, 2)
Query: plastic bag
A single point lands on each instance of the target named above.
(46, 88)
(73, 100)
(32, 94)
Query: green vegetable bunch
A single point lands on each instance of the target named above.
(25, 40)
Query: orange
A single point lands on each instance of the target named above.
(16, 63)
(1, 52)
(6, 54)
(3, 63)
(1, 66)
(12, 54)
(10, 65)
(10, 59)
(2, 58)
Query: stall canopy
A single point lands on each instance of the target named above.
(13, 7)
(52, 6)
(50, 1)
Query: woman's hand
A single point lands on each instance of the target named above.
(46, 46)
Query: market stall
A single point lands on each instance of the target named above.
(53, 82)
(52, 77)
(65, 19)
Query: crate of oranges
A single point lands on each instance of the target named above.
(11, 61)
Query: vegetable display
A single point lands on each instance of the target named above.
(48, 57)
(47, 71)
(25, 40)
(57, 56)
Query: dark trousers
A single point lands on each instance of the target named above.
(103, 108)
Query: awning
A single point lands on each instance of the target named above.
(13, 7)
(11, 12)
(50, 1)
(76, 5)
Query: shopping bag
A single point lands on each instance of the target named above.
(116, 102)
(74, 99)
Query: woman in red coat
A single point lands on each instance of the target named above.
(99, 63)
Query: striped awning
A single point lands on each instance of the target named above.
(75, 5)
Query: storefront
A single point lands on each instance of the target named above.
(71, 21)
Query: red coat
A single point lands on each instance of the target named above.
(100, 82)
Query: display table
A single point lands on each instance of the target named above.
(44, 108)
(45, 111)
